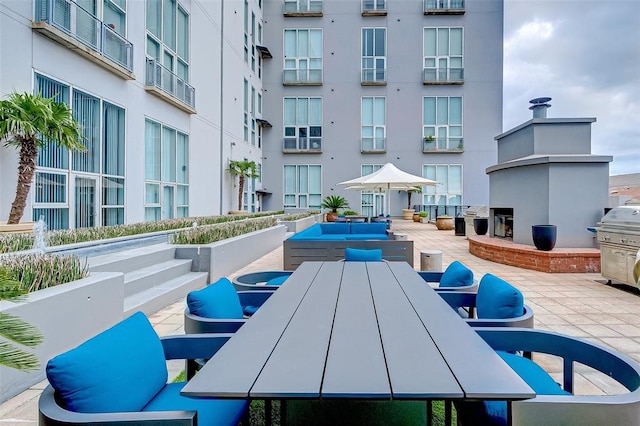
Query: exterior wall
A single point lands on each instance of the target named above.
(342, 91)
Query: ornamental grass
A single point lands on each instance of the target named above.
(38, 271)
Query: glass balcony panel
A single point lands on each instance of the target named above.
(165, 80)
(450, 144)
(302, 144)
(444, 5)
(443, 75)
(374, 75)
(302, 76)
(373, 145)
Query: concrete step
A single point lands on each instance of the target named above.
(130, 260)
(152, 300)
(144, 278)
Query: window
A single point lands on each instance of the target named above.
(373, 124)
(168, 37)
(442, 51)
(252, 105)
(302, 56)
(302, 186)
(245, 98)
(374, 55)
(449, 188)
(302, 124)
(373, 5)
(246, 31)
(166, 172)
(87, 191)
(371, 203)
(303, 6)
(442, 123)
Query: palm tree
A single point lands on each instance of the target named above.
(28, 122)
(16, 330)
(243, 169)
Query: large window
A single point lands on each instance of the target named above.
(168, 36)
(302, 56)
(374, 55)
(302, 186)
(302, 6)
(302, 123)
(442, 51)
(373, 130)
(83, 189)
(371, 203)
(442, 123)
(448, 192)
(166, 172)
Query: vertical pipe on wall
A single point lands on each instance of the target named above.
(221, 105)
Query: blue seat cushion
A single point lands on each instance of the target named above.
(538, 379)
(456, 275)
(362, 255)
(335, 228)
(277, 280)
(497, 299)
(219, 412)
(217, 300)
(249, 310)
(369, 228)
(120, 369)
(330, 237)
(366, 237)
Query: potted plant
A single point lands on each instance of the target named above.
(28, 122)
(424, 217)
(407, 214)
(333, 203)
(242, 169)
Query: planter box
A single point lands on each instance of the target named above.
(66, 315)
(300, 224)
(21, 227)
(225, 257)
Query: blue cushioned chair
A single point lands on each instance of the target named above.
(219, 308)
(496, 304)
(362, 255)
(555, 404)
(261, 280)
(119, 377)
(457, 277)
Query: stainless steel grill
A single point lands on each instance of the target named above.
(619, 237)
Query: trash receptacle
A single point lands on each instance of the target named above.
(431, 260)
(459, 225)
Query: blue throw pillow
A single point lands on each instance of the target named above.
(120, 369)
(217, 300)
(335, 228)
(362, 255)
(497, 299)
(456, 275)
(277, 280)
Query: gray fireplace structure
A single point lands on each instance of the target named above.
(546, 174)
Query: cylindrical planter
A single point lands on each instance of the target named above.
(544, 236)
(481, 225)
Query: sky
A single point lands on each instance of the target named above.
(585, 55)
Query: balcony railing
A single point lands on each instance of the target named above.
(302, 8)
(374, 7)
(373, 77)
(452, 7)
(302, 77)
(302, 145)
(162, 78)
(442, 145)
(373, 145)
(443, 76)
(79, 24)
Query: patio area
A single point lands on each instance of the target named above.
(579, 304)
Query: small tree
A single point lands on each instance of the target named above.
(242, 169)
(28, 122)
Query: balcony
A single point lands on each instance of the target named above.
(68, 24)
(308, 8)
(374, 8)
(373, 145)
(373, 77)
(163, 83)
(441, 76)
(444, 7)
(442, 145)
(302, 145)
(302, 77)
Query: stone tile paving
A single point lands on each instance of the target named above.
(580, 305)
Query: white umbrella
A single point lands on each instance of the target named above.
(388, 177)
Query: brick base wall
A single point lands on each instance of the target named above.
(578, 260)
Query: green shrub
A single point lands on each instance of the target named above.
(350, 213)
(423, 214)
(38, 271)
(212, 233)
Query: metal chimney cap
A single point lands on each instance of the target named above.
(539, 101)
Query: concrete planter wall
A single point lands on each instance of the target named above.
(225, 257)
(300, 224)
(67, 315)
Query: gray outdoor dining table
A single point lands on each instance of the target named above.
(359, 330)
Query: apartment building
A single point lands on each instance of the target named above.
(160, 88)
(314, 91)
(354, 84)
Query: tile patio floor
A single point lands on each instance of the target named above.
(580, 305)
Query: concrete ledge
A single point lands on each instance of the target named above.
(67, 315)
(559, 260)
(300, 224)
